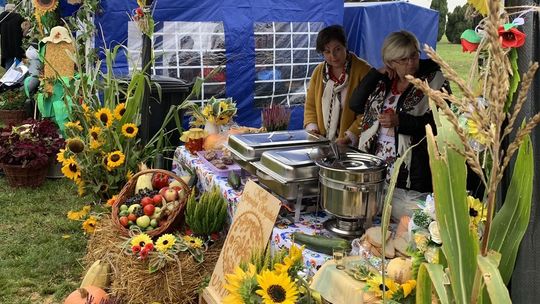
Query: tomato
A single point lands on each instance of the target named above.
(132, 217)
(160, 180)
(157, 199)
(149, 209)
(124, 221)
(146, 201)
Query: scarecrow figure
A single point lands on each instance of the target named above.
(58, 74)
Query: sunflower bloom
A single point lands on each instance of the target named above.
(235, 281)
(95, 144)
(115, 159)
(119, 111)
(475, 132)
(77, 215)
(105, 116)
(376, 286)
(193, 242)
(81, 190)
(129, 175)
(165, 242)
(141, 240)
(75, 145)
(408, 287)
(477, 210)
(89, 226)
(276, 288)
(130, 130)
(95, 132)
(74, 125)
(61, 156)
(85, 108)
(71, 169)
(295, 256)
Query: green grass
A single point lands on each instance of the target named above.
(38, 264)
(461, 62)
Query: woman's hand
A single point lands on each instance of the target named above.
(389, 119)
(388, 71)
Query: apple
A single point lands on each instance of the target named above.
(153, 223)
(169, 194)
(123, 221)
(123, 207)
(143, 221)
(149, 209)
(146, 201)
(157, 199)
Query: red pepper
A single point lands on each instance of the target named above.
(160, 180)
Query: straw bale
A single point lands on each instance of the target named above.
(130, 281)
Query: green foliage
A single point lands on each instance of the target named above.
(12, 100)
(442, 7)
(207, 215)
(457, 23)
(498, 293)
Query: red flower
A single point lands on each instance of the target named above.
(511, 38)
(136, 249)
(144, 253)
(149, 246)
(139, 12)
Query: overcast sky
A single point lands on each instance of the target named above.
(451, 3)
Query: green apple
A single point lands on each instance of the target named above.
(143, 221)
(123, 207)
(123, 213)
(153, 223)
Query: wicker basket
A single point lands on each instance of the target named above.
(12, 117)
(176, 218)
(17, 176)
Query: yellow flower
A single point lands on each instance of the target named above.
(477, 210)
(141, 240)
(105, 116)
(86, 108)
(115, 159)
(207, 111)
(165, 242)
(129, 130)
(74, 125)
(235, 281)
(193, 242)
(276, 288)
(294, 257)
(89, 226)
(129, 175)
(223, 106)
(421, 239)
(71, 169)
(81, 190)
(61, 156)
(95, 132)
(75, 145)
(95, 144)
(408, 287)
(77, 215)
(376, 286)
(223, 120)
(119, 111)
(475, 132)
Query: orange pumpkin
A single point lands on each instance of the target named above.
(80, 295)
(214, 141)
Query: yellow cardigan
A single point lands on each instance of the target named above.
(313, 107)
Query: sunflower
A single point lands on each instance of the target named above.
(115, 159)
(95, 132)
(129, 130)
(44, 6)
(129, 175)
(86, 109)
(292, 259)
(77, 215)
(61, 156)
(75, 145)
(165, 242)
(71, 169)
(193, 242)
(276, 288)
(141, 240)
(74, 125)
(207, 111)
(89, 226)
(105, 116)
(119, 111)
(238, 280)
(223, 106)
(81, 190)
(475, 132)
(95, 144)
(376, 286)
(477, 210)
(408, 287)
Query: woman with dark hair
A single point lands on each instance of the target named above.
(327, 109)
(395, 112)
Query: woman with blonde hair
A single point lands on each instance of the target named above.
(395, 112)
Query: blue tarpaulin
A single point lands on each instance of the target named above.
(367, 24)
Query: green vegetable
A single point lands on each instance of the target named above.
(208, 215)
(320, 243)
(234, 180)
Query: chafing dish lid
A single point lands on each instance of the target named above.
(278, 138)
(353, 161)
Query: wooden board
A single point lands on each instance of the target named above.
(251, 229)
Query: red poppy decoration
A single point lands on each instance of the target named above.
(467, 46)
(139, 12)
(511, 38)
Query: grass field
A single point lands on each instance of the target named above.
(40, 249)
(461, 62)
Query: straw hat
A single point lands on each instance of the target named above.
(58, 34)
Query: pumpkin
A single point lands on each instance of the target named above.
(80, 295)
(400, 270)
(214, 142)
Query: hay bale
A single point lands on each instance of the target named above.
(130, 280)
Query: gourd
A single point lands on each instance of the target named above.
(319, 243)
(97, 275)
(81, 295)
(400, 270)
(144, 181)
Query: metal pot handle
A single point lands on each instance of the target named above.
(356, 188)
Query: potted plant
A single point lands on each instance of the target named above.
(25, 151)
(12, 110)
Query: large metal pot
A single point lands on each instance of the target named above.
(352, 185)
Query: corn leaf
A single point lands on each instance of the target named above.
(449, 176)
(498, 293)
(511, 221)
(428, 275)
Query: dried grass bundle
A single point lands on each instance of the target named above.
(131, 281)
